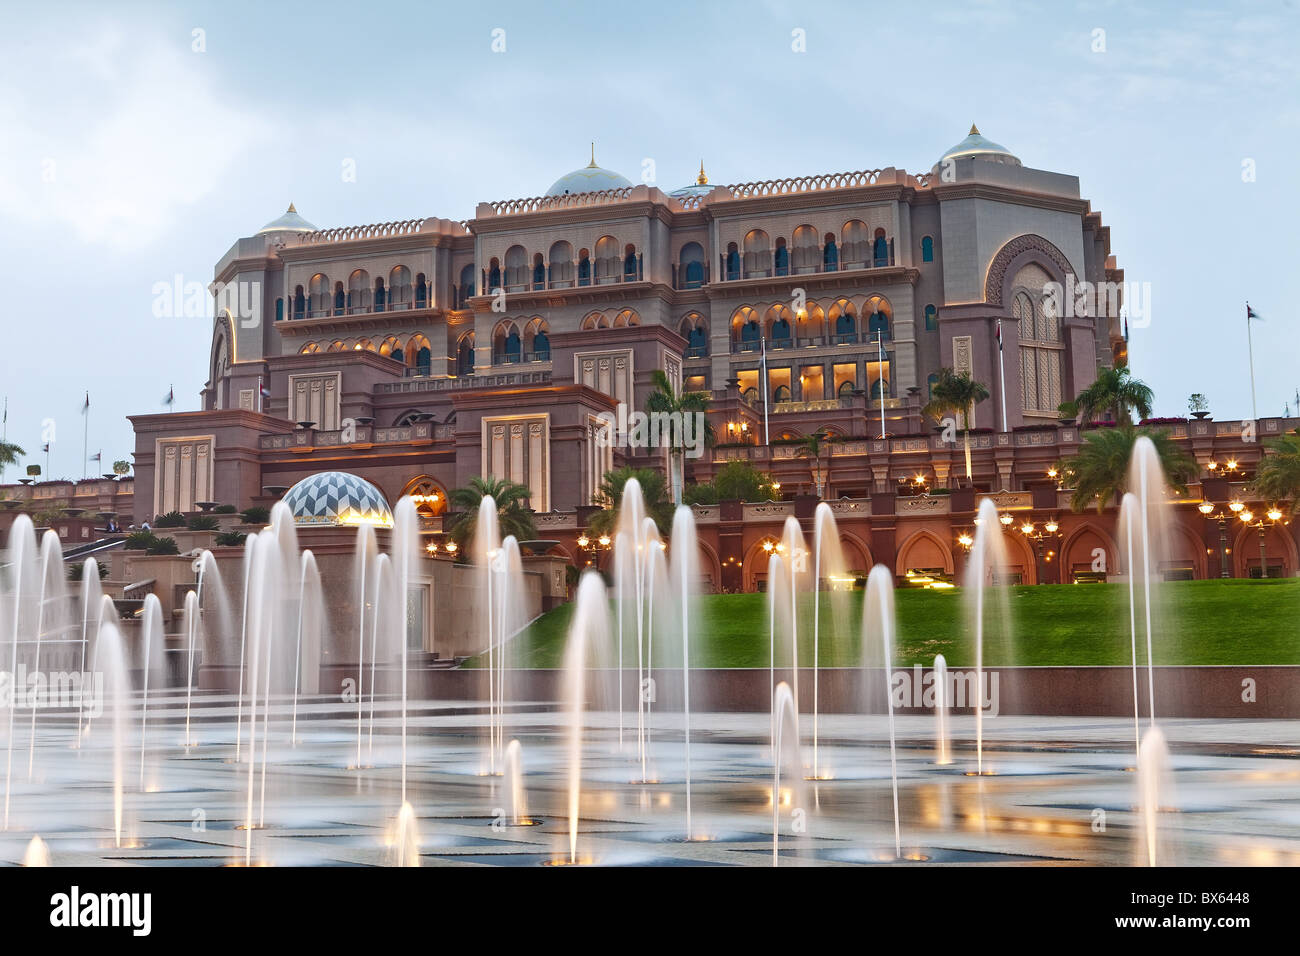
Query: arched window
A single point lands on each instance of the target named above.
(381, 295)
(539, 272)
(854, 248)
(880, 388)
(391, 347)
(631, 270)
(781, 394)
(320, 295)
(879, 319)
(927, 249)
(493, 277)
(311, 348)
(745, 330)
(466, 290)
(807, 255)
(733, 262)
(516, 269)
(608, 261)
(844, 323)
(881, 250)
(507, 344)
(299, 303)
(931, 319)
(419, 356)
(422, 290)
(691, 265)
(750, 396)
(537, 343)
(696, 336)
(781, 258)
(561, 264)
(340, 299)
(628, 317)
(279, 309)
(399, 288)
(1041, 348)
(465, 355)
(780, 331)
(931, 381)
(830, 254)
(584, 268)
(845, 390)
(758, 256)
(359, 291)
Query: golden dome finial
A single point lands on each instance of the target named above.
(291, 209)
(974, 130)
(702, 180)
(592, 164)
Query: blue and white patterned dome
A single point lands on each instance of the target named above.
(590, 179)
(333, 498)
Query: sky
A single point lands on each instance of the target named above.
(142, 139)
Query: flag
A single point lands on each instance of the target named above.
(85, 408)
(999, 335)
(170, 397)
(1126, 328)
(1252, 314)
(97, 456)
(266, 392)
(46, 449)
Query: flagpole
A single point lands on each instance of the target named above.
(85, 439)
(1250, 351)
(1002, 377)
(5, 437)
(880, 375)
(762, 361)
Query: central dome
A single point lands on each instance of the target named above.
(591, 178)
(975, 144)
(289, 222)
(333, 498)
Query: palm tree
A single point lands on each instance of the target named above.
(654, 491)
(1118, 393)
(514, 517)
(9, 453)
(810, 447)
(1099, 471)
(667, 400)
(956, 393)
(1278, 476)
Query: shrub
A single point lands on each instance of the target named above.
(256, 515)
(139, 541)
(163, 546)
(230, 539)
(77, 570)
(225, 510)
(203, 523)
(172, 519)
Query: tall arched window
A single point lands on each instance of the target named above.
(537, 341)
(381, 295)
(745, 330)
(340, 299)
(845, 390)
(279, 309)
(807, 255)
(608, 260)
(691, 265)
(854, 247)
(584, 268)
(516, 269)
(780, 331)
(320, 295)
(931, 319)
(927, 249)
(465, 355)
(299, 303)
(419, 355)
(466, 290)
(631, 269)
(758, 257)
(881, 249)
(845, 321)
(733, 262)
(1041, 348)
(879, 316)
(931, 381)
(781, 258)
(399, 287)
(493, 277)
(359, 291)
(781, 394)
(539, 272)
(696, 336)
(830, 254)
(561, 264)
(507, 344)
(422, 290)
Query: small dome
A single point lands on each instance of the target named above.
(976, 145)
(700, 187)
(289, 222)
(591, 178)
(333, 498)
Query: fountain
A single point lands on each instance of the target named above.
(987, 556)
(942, 752)
(403, 839)
(1153, 783)
(151, 639)
(785, 748)
(515, 784)
(878, 623)
(37, 853)
(828, 563)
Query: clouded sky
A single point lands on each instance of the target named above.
(131, 157)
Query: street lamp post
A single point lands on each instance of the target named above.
(1262, 524)
(1207, 508)
(1051, 531)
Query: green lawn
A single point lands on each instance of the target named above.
(1205, 622)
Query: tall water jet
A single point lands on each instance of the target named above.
(589, 636)
(942, 753)
(91, 593)
(778, 599)
(306, 667)
(878, 623)
(796, 564)
(49, 604)
(785, 748)
(515, 783)
(403, 838)
(987, 556)
(828, 562)
(684, 572)
(151, 638)
(405, 544)
(366, 553)
(385, 598)
(654, 593)
(489, 565)
(1153, 783)
(110, 659)
(250, 544)
(191, 636)
(22, 545)
(630, 555)
(37, 853)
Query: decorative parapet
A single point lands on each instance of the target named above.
(357, 435)
(507, 207)
(380, 230)
(923, 504)
(470, 381)
(1009, 500)
(558, 520)
(768, 509)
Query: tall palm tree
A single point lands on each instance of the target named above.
(1117, 392)
(1099, 471)
(9, 453)
(1278, 476)
(810, 447)
(956, 393)
(514, 517)
(654, 491)
(667, 400)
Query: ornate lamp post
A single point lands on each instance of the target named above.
(1262, 524)
(593, 547)
(1051, 531)
(1207, 508)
